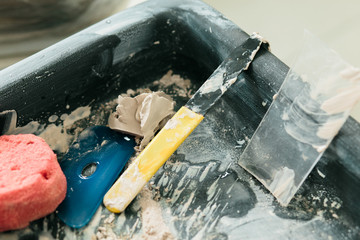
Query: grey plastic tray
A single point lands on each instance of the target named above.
(202, 192)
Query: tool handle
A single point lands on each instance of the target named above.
(140, 171)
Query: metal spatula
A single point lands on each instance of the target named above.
(180, 126)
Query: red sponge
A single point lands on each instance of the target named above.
(32, 184)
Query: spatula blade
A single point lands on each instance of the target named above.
(313, 103)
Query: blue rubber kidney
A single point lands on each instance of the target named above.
(91, 166)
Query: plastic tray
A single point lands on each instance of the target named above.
(203, 193)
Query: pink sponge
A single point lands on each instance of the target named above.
(32, 184)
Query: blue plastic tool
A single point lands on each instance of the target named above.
(91, 166)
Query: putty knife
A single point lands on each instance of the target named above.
(180, 126)
(313, 103)
(92, 164)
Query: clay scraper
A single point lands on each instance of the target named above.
(180, 126)
(91, 165)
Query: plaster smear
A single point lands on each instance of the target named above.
(345, 96)
(330, 129)
(220, 80)
(57, 136)
(142, 115)
(77, 114)
(283, 185)
(214, 83)
(153, 224)
(179, 84)
(262, 223)
(341, 103)
(332, 89)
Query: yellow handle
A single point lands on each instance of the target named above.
(140, 171)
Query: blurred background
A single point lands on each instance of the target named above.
(27, 26)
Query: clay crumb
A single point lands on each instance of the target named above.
(240, 143)
(110, 219)
(104, 233)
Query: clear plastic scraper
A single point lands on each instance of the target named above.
(313, 103)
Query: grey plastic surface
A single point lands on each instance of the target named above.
(205, 193)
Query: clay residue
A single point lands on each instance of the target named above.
(58, 136)
(346, 97)
(153, 224)
(219, 80)
(329, 129)
(323, 106)
(142, 115)
(180, 86)
(77, 114)
(283, 185)
(214, 83)
(59, 143)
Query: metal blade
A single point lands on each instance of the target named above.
(225, 75)
(310, 108)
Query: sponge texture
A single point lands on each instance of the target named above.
(32, 184)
